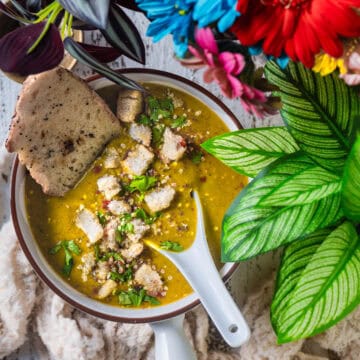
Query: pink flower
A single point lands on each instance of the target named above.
(352, 77)
(224, 68)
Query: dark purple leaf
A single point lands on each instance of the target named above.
(14, 47)
(128, 4)
(93, 12)
(122, 34)
(80, 25)
(77, 52)
(101, 53)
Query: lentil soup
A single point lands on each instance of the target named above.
(93, 236)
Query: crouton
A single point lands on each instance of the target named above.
(159, 199)
(173, 147)
(140, 133)
(138, 160)
(109, 185)
(140, 229)
(101, 271)
(112, 159)
(119, 207)
(90, 225)
(106, 289)
(86, 266)
(132, 252)
(129, 105)
(59, 127)
(149, 279)
(109, 238)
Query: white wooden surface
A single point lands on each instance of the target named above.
(159, 56)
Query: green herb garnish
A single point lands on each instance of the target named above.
(125, 227)
(196, 157)
(157, 135)
(148, 219)
(144, 120)
(69, 247)
(124, 277)
(136, 298)
(159, 108)
(142, 183)
(102, 218)
(106, 256)
(171, 245)
(180, 121)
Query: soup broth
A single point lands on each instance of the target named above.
(66, 246)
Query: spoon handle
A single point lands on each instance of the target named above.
(171, 341)
(204, 277)
(198, 267)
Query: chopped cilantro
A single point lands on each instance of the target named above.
(196, 157)
(101, 217)
(111, 254)
(159, 108)
(136, 298)
(180, 121)
(118, 236)
(142, 183)
(106, 256)
(148, 219)
(69, 247)
(124, 277)
(166, 104)
(171, 245)
(73, 247)
(144, 120)
(125, 227)
(97, 252)
(157, 135)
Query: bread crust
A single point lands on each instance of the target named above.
(59, 127)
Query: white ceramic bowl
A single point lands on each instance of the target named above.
(55, 281)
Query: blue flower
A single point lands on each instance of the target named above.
(282, 61)
(170, 17)
(221, 11)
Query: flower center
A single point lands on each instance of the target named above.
(180, 10)
(285, 3)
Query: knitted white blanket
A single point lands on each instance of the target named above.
(31, 313)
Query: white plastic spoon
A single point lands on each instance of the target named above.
(197, 266)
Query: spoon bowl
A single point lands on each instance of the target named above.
(198, 267)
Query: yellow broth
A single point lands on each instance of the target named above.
(52, 219)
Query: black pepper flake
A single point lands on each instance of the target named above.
(68, 147)
(5, 177)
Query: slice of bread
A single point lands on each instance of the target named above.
(59, 127)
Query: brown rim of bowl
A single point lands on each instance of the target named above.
(43, 275)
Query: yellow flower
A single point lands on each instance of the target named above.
(325, 64)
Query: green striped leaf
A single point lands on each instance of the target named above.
(310, 183)
(249, 151)
(351, 183)
(250, 229)
(319, 111)
(318, 283)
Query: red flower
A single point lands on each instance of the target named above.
(301, 28)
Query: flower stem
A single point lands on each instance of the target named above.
(64, 25)
(55, 11)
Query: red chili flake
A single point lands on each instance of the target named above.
(105, 204)
(97, 169)
(203, 179)
(182, 143)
